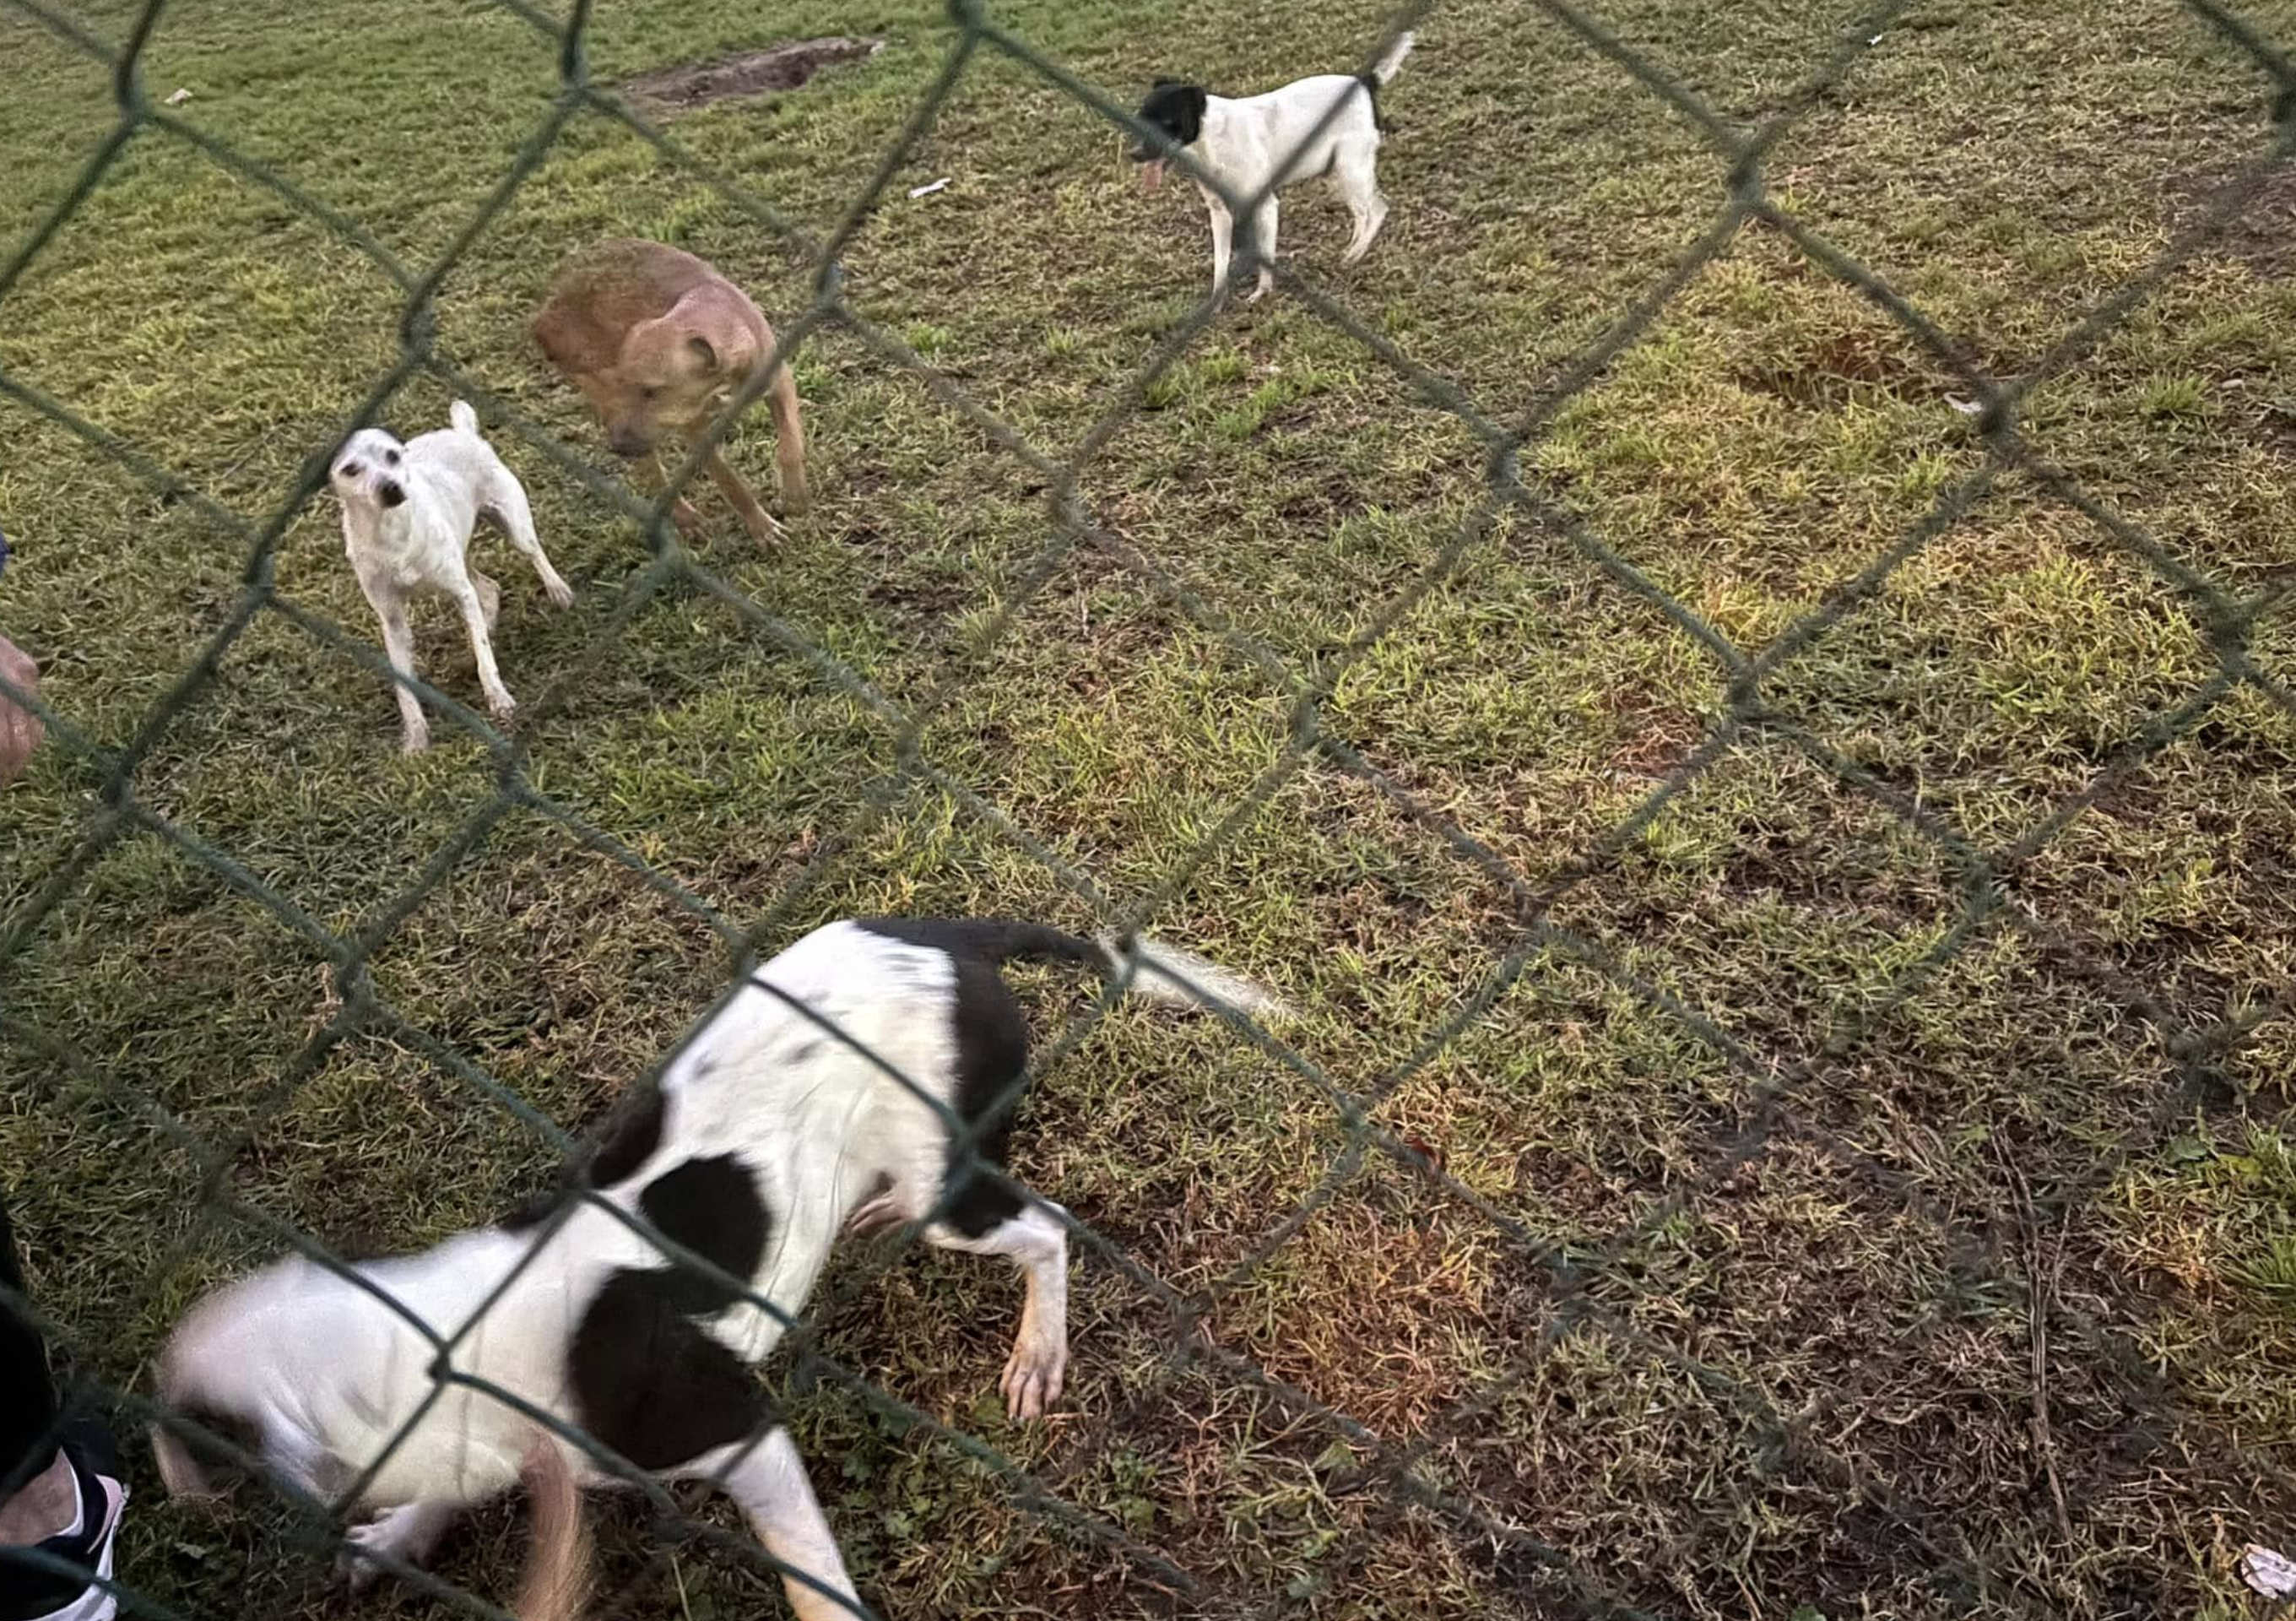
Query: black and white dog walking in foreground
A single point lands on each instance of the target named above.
(767, 1138)
(1271, 141)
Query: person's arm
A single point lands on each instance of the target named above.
(20, 730)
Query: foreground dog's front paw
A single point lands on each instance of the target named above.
(414, 742)
(500, 705)
(688, 521)
(560, 594)
(880, 1214)
(1032, 1379)
(410, 1533)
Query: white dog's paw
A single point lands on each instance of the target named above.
(410, 1533)
(415, 743)
(1032, 1378)
(500, 705)
(560, 594)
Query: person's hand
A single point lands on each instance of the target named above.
(20, 730)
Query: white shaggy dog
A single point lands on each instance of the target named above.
(407, 514)
(1271, 141)
(767, 1138)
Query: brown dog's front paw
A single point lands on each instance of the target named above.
(688, 521)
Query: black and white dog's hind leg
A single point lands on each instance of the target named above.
(984, 1214)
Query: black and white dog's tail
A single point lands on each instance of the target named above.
(1159, 972)
(1387, 65)
(1384, 70)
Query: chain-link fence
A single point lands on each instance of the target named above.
(1533, 1570)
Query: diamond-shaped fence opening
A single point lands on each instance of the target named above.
(1368, 1349)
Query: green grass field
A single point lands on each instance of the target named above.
(1919, 1266)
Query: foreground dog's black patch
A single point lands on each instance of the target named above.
(650, 1384)
(635, 1138)
(784, 67)
(648, 1380)
(992, 940)
(712, 1207)
(635, 1132)
(992, 1050)
(992, 1041)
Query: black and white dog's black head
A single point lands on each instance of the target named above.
(1177, 112)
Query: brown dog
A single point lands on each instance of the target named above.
(658, 342)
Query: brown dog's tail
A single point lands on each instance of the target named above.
(558, 1563)
(789, 440)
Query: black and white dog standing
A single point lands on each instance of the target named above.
(767, 1138)
(1272, 140)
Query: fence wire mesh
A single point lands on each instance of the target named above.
(1989, 1249)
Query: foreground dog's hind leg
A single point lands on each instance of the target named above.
(398, 645)
(1223, 244)
(767, 1480)
(506, 504)
(1355, 177)
(1034, 1241)
(410, 1532)
(754, 518)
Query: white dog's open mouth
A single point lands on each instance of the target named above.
(1151, 174)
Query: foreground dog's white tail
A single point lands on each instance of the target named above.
(1167, 973)
(557, 1582)
(1393, 60)
(466, 420)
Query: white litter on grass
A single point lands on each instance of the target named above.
(2271, 1573)
(1875, 40)
(916, 192)
(179, 97)
(1967, 407)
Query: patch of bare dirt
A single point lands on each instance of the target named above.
(782, 67)
(2263, 234)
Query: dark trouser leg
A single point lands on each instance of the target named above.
(28, 1416)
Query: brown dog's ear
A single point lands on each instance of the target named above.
(717, 338)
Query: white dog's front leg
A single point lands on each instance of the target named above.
(398, 647)
(767, 1479)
